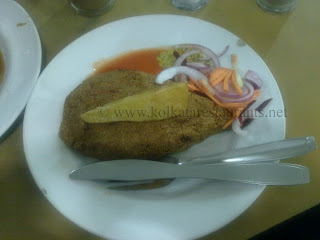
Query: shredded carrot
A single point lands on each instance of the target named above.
(235, 84)
(254, 96)
(235, 108)
(215, 81)
(216, 73)
(238, 112)
(226, 82)
(226, 85)
(207, 92)
(232, 106)
(195, 83)
(193, 88)
(243, 104)
(234, 58)
(228, 123)
(203, 88)
(235, 114)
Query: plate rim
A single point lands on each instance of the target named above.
(6, 126)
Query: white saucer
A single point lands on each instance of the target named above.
(21, 48)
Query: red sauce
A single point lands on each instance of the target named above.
(142, 60)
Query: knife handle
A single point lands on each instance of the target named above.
(272, 151)
(254, 173)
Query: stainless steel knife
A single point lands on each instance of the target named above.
(137, 170)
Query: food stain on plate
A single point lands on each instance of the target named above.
(108, 193)
(241, 43)
(21, 24)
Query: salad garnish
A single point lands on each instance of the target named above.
(200, 67)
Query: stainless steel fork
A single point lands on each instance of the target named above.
(272, 151)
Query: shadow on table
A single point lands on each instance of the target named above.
(13, 127)
(302, 226)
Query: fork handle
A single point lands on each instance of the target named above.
(273, 151)
(254, 173)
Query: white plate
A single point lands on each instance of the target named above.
(186, 209)
(20, 45)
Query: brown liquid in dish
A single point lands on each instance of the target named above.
(1, 66)
(144, 60)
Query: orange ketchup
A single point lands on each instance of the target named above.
(144, 60)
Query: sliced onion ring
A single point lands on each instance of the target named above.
(254, 79)
(242, 98)
(206, 51)
(232, 92)
(184, 56)
(223, 51)
(248, 120)
(180, 60)
(236, 127)
(198, 65)
(169, 73)
(206, 70)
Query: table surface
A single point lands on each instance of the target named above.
(288, 43)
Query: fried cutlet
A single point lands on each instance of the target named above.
(143, 140)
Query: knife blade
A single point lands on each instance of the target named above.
(137, 170)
